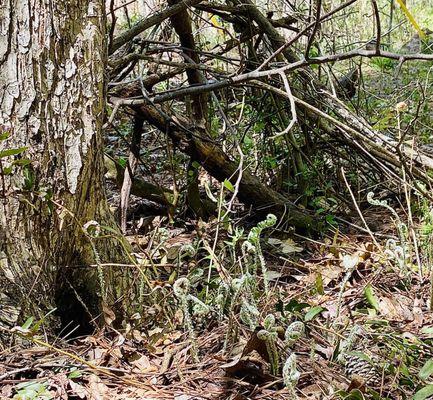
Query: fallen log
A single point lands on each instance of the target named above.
(146, 190)
(218, 164)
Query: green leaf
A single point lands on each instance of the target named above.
(404, 370)
(426, 370)
(228, 185)
(355, 395)
(122, 162)
(7, 170)
(4, 135)
(427, 330)
(375, 395)
(12, 152)
(295, 306)
(424, 393)
(27, 324)
(76, 373)
(110, 229)
(29, 178)
(377, 322)
(36, 386)
(330, 219)
(312, 313)
(38, 324)
(371, 297)
(32, 391)
(23, 161)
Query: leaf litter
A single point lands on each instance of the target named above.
(332, 288)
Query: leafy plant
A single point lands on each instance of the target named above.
(291, 375)
(269, 335)
(32, 391)
(181, 289)
(8, 168)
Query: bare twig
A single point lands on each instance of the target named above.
(146, 23)
(378, 27)
(292, 107)
(314, 30)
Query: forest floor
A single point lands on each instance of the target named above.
(365, 308)
(339, 287)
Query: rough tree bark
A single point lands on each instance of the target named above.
(52, 58)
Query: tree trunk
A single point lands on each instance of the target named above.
(199, 103)
(52, 58)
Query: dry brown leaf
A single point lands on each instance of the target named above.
(330, 272)
(256, 344)
(97, 389)
(289, 246)
(275, 241)
(137, 336)
(249, 369)
(78, 390)
(108, 313)
(143, 365)
(328, 350)
(418, 313)
(397, 308)
(6, 391)
(313, 391)
(171, 337)
(174, 245)
(97, 355)
(350, 261)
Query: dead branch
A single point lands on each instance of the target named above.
(146, 23)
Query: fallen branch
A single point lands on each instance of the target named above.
(218, 164)
(147, 23)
